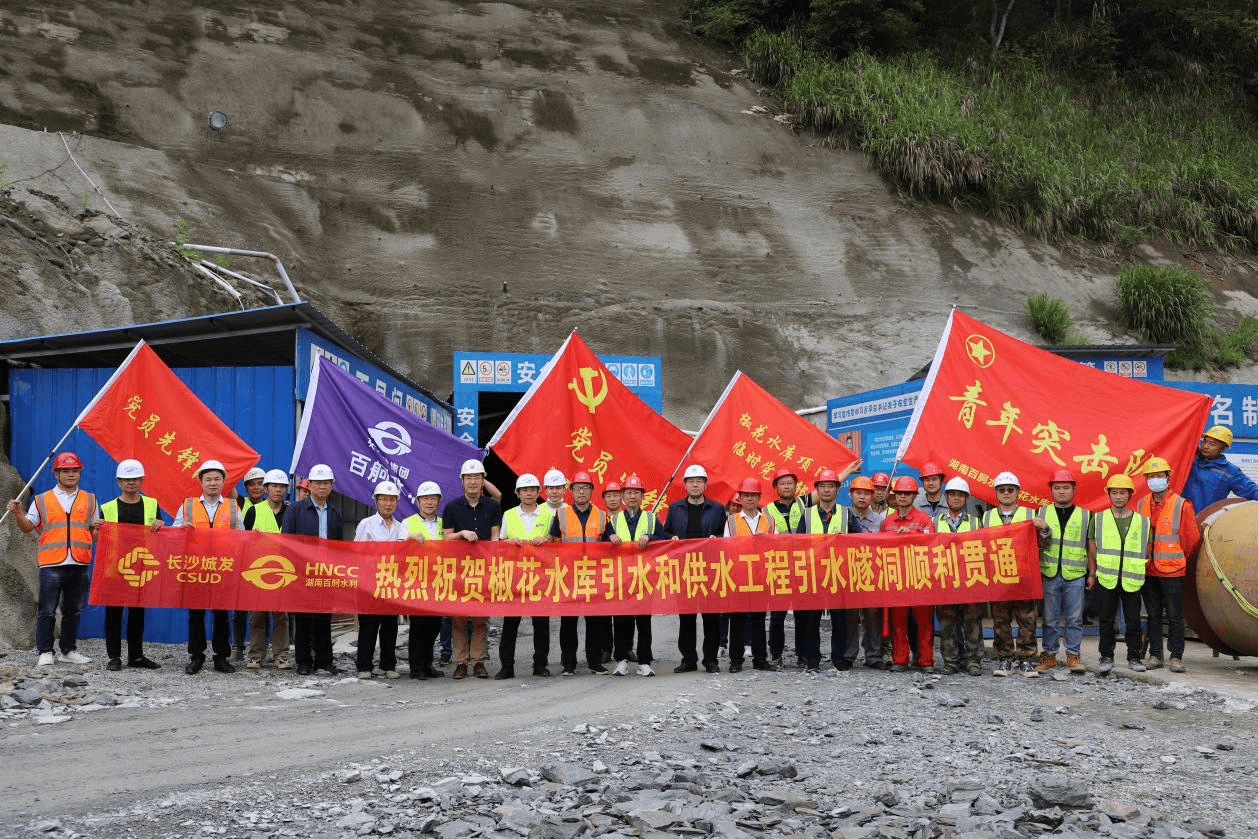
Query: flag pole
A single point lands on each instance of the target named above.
(724, 394)
(87, 408)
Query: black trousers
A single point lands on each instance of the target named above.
(838, 636)
(1107, 601)
(135, 632)
(1165, 596)
(220, 639)
(312, 639)
(371, 628)
(424, 632)
(738, 622)
(240, 625)
(687, 638)
(777, 634)
(624, 627)
(541, 642)
(808, 635)
(596, 631)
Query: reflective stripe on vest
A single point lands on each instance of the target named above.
(109, 510)
(1121, 558)
(1069, 550)
(1168, 554)
(66, 532)
(738, 525)
(943, 525)
(781, 522)
(838, 521)
(414, 524)
(513, 525)
(264, 518)
(194, 513)
(992, 517)
(571, 529)
(642, 527)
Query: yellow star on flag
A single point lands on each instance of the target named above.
(980, 350)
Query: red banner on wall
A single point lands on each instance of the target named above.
(232, 569)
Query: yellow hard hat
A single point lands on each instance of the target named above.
(1120, 481)
(1221, 433)
(1155, 464)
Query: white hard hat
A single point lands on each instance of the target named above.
(386, 488)
(320, 472)
(957, 485)
(252, 475)
(472, 467)
(555, 478)
(276, 476)
(211, 464)
(428, 488)
(130, 469)
(527, 480)
(1007, 478)
(694, 470)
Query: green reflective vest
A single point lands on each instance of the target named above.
(790, 522)
(967, 524)
(414, 524)
(1121, 558)
(1068, 551)
(992, 517)
(264, 518)
(513, 526)
(109, 510)
(838, 521)
(642, 527)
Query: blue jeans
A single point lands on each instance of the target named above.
(1063, 599)
(66, 584)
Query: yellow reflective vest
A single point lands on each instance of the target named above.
(1118, 558)
(109, 510)
(1068, 551)
(513, 525)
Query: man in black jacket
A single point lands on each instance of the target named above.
(313, 516)
(696, 517)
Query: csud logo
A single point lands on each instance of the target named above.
(147, 567)
(270, 572)
(391, 438)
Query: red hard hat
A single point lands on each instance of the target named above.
(827, 475)
(303, 484)
(582, 478)
(67, 460)
(733, 498)
(1062, 476)
(929, 469)
(750, 485)
(881, 479)
(783, 473)
(612, 486)
(633, 482)
(861, 482)
(904, 483)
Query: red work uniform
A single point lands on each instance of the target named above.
(915, 522)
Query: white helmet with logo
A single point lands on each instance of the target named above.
(555, 478)
(528, 480)
(253, 475)
(472, 466)
(428, 488)
(386, 488)
(320, 472)
(694, 470)
(276, 476)
(1007, 479)
(130, 469)
(211, 464)
(957, 485)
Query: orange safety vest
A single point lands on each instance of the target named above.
(739, 527)
(60, 531)
(1166, 553)
(570, 525)
(194, 513)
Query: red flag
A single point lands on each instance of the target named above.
(577, 416)
(750, 434)
(144, 411)
(993, 403)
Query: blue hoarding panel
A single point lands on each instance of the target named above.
(1235, 406)
(255, 402)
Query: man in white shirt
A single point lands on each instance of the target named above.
(381, 526)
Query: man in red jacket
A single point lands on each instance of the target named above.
(906, 518)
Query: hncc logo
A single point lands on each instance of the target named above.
(146, 570)
(391, 438)
(270, 572)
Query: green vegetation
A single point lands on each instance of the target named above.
(222, 260)
(4, 164)
(1050, 317)
(182, 237)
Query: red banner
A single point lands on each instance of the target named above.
(233, 569)
(578, 417)
(750, 434)
(993, 403)
(144, 411)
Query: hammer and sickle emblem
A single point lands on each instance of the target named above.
(585, 391)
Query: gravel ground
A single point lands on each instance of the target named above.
(856, 755)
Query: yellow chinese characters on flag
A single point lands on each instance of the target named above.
(578, 417)
(992, 403)
(750, 434)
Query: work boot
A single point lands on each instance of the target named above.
(763, 664)
(222, 665)
(504, 673)
(460, 672)
(686, 667)
(114, 664)
(1136, 665)
(195, 663)
(1177, 666)
(143, 663)
(1156, 662)
(735, 667)
(1048, 661)
(974, 668)
(1075, 662)
(479, 671)
(540, 670)
(1104, 668)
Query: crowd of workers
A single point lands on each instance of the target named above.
(1127, 556)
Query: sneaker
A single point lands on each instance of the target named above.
(974, 668)
(899, 668)
(1075, 662)
(1028, 669)
(283, 663)
(392, 674)
(567, 671)
(813, 668)
(1156, 662)
(254, 663)
(1177, 666)
(686, 667)
(1048, 661)
(73, 657)
(622, 668)
(948, 670)
(1003, 668)
(1104, 668)
(645, 670)
(1136, 665)
(599, 670)
(238, 654)
(46, 660)
(364, 674)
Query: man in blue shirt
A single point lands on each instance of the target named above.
(314, 516)
(1212, 478)
(696, 517)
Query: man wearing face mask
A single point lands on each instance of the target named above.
(1175, 537)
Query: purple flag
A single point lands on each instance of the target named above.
(366, 439)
